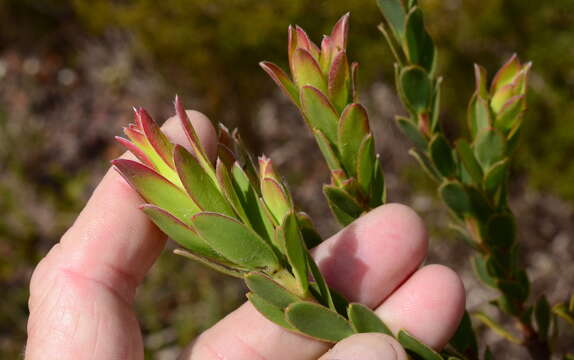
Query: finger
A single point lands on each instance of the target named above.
(429, 305)
(369, 346)
(371, 257)
(365, 262)
(112, 241)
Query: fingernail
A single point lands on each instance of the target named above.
(380, 350)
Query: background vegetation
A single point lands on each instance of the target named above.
(70, 70)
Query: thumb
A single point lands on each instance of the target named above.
(370, 346)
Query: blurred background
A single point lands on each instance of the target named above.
(70, 71)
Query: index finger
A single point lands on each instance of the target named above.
(112, 241)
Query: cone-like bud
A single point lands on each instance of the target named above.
(323, 87)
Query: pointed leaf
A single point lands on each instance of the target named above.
(197, 147)
(269, 290)
(318, 321)
(306, 71)
(248, 199)
(199, 185)
(543, 317)
(456, 198)
(489, 148)
(339, 33)
(366, 162)
(324, 293)
(319, 112)
(394, 13)
(479, 115)
(310, 235)
(282, 80)
(269, 311)
(156, 189)
(561, 311)
(352, 129)
(354, 82)
(304, 42)
(235, 241)
(181, 233)
(496, 327)
(495, 176)
(344, 207)
(139, 153)
(471, 165)
(338, 81)
(275, 198)
(416, 88)
(441, 154)
(420, 48)
(464, 340)
(295, 250)
(480, 79)
(155, 137)
(364, 320)
(217, 265)
(412, 132)
(481, 270)
(327, 150)
(379, 190)
(426, 164)
(411, 344)
(506, 74)
(436, 106)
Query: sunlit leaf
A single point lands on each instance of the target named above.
(318, 321)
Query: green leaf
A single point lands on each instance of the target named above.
(199, 185)
(464, 339)
(479, 115)
(456, 198)
(226, 185)
(441, 154)
(282, 80)
(506, 74)
(344, 207)
(495, 176)
(181, 233)
(489, 148)
(543, 317)
(324, 294)
(269, 290)
(364, 320)
(481, 269)
(221, 266)
(310, 235)
(379, 190)
(327, 150)
(412, 345)
(471, 165)
(235, 241)
(366, 163)
(248, 198)
(295, 250)
(496, 327)
(436, 105)
(352, 129)
(156, 189)
(409, 128)
(425, 164)
(561, 311)
(306, 71)
(319, 112)
(270, 311)
(338, 81)
(501, 231)
(276, 198)
(394, 13)
(419, 45)
(318, 321)
(416, 88)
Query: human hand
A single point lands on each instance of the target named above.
(82, 292)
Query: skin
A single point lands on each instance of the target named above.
(82, 292)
